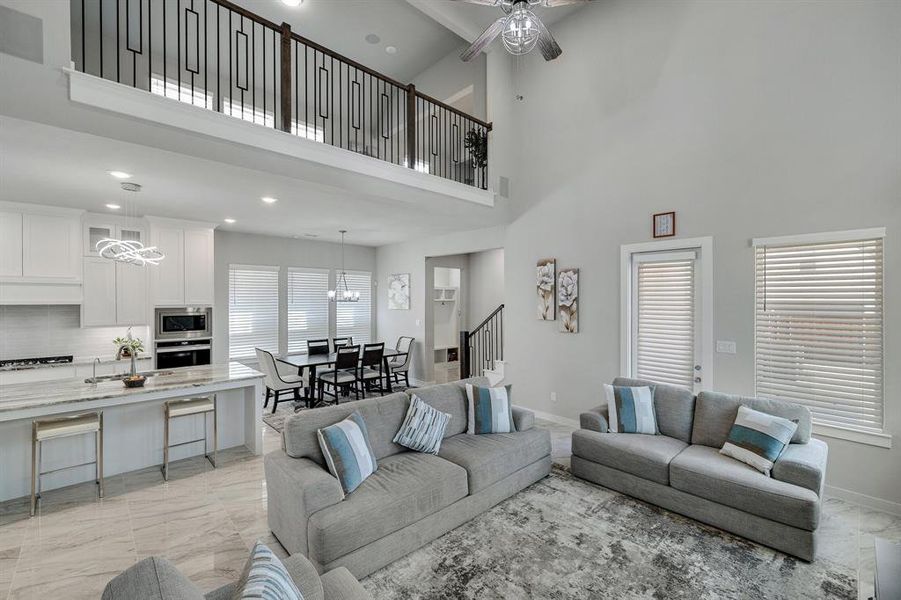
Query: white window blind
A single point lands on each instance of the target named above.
(307, 307)
(818, 329)
(664, 321)
(355, 318)
(252, 310)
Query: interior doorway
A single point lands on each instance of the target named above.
(447, 319)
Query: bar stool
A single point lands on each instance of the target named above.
(60, 427)
(183, 408)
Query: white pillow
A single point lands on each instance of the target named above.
(423, 427)
(631, 409)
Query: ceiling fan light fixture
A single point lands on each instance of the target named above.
(521, 31)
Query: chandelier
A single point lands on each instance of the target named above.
(344, 294)
(521, 30)
(132, 252)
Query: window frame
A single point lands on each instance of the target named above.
(278, 314)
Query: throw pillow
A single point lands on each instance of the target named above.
(631, 409)
(265, 576)
(347, 451)
(489, 410)
(423, 427)
(757, 439)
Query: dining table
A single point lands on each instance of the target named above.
(315, 361)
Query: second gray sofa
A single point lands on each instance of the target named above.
(682, 470)
(412, 498)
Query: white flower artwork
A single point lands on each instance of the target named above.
(547, 277)
(568, 300)
(399, 291)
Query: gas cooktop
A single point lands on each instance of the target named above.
(37, 361)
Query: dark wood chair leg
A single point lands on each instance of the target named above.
(266, 402)
(407, 378)
(275, 401)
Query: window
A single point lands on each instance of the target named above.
(355, 318)
(252, 310)
(818, 325)
(307, 307)
(183, 93)
(234, 108)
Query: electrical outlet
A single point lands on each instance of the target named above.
(553, 396)
(419, 322)
(725, 347)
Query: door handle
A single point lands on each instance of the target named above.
(697, 380)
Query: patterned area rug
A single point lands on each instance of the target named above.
(566, 538)
(286, 409)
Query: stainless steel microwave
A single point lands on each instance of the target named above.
(184, 323)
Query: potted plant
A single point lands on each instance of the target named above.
(129, 347)
(476, 142)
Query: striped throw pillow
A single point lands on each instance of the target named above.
(490, 410)
(757, 439)
(631, 409)
(265, 576)
(347, 451)
(423, 427)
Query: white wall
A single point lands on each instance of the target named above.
(486, 285)
(249, 249)
(447, 77)
(748, 119)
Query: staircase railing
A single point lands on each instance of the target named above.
(481, 347)
(220, 56)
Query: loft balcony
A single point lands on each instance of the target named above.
(221, 57)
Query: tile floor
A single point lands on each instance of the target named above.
(206, 519)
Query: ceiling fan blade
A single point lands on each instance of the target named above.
(553, 3)
(483, 40)
(549, 47)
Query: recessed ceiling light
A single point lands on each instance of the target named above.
(120, 174)
(373, 38)
(113, 206)
(311, 235)
(229, 221)
(391, 50)
(292, 3)
(269, 199)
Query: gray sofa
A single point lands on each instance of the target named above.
(156, 578)
(412, 498)
(682, 470)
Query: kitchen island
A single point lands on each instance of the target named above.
(133, 422)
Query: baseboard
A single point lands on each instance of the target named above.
(864, 500)
(539, 414)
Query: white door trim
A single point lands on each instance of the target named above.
(705, 244)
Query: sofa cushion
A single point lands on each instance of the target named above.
(715, 413)
(645, 456)
(674, 407)
(490, 457)
(703, 471)
(449, 398)
(153, 578)
(407, 488)
(383, 417)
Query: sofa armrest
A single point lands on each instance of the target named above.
(296, 488)
(803, 465)
(595, 419)
(340, 584)
(523, 419)
(305, 576)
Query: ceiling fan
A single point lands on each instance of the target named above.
(520, 29)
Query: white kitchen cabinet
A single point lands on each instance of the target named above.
(10, 244)
(168, 278)
(51, 247)
(199, 266)
(98, 305)
(131, 294)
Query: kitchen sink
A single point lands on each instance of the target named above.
(124, 375)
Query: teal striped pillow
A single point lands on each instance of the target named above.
(265, 576)
(757, 439)
(423, 427)
(347, 451)
(631, 409)
(490, 410)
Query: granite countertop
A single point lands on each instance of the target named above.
(78, 361)
(40, 394)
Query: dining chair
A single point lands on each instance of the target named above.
(401, 363)
(343, 373)
(342, 341)
(277, 382)
(372, 368)
(316, 347)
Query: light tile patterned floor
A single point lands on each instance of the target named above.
(206, 519)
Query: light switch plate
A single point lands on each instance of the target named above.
(725, 347)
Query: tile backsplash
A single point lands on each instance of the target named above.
(31, 331)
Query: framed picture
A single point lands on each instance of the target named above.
(399, 291)
(664, 224)
(568, 300)
(546, 284)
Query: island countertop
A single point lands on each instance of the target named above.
(41, 395)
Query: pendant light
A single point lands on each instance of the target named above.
(342, 294)
(129, 251)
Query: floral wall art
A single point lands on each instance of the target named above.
(568, 300)
(547, 277)
(399, 291)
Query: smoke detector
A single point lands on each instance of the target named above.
(130, 187)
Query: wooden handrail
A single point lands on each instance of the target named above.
(308, 42)
(488, 318)
(246, 13)
(448, 107)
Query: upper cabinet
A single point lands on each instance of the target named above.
(185, 276)
(50, 247)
